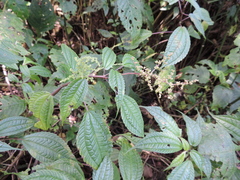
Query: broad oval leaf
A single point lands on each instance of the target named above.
(105, 170)
(5, 147)
(108, 58)
(69, 56)
(197, 158)
(39, 70)
(177, 160)
(116, 82)
(72, 97)
(46, 147)
(93, 139)
(131, 114)
(165, 121)
(185, 171)
(130, 61)
(193, 131)
(130, 162)
(177, 47)
(41, 104)
(14, 125)
(161, 142)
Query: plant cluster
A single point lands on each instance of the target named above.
(64, 105)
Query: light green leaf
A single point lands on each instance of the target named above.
(185, 144)
(41, 104)
(161, 142)
(192, 32)
(193, 131)
(14, 125)
(108, 58)
(116, 82)
(177, 47)
(116, 173)
(9, 103)
(69, 56)
(177, 160)
(105, 33)
(130, 61)
(8, 57)
(222, 96)
(130, 13)
(185, 171)
(197, 158)
(131, 114)
(197, 23)
(105, 170)
(165, 121)
(207, 166)
(130, 162)
(40, 70)
(47, 147)
(93, 139)
(72, 97)
(5, 147)
(25, 70)
(205, 16)
(230, 122)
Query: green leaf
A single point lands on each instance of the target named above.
(197, 158)
(46, 147)
(230, 122)
(130, 13)
(105, 170)
(41, 16)
(39, 70)
(105, 33)
(192, 32)
(193, 131)
(177, 47)
(9, 103)
(205, 16)
(93, 139)
(207, 166)
(69, 56)
(131, 114)
(108, 58)
(41, 104)
(68, 7)
(116, 82)
(222, 96)
(177, 160)
(15, 125)
(72, 97)
(5, 147)
(165, 121)
(116, 172)
(185, 144)
(233, 58)
(130, 61)
(185, 171)
(7, 56)
(161, 142)
(197, 23)
(130, 162)
(171, 2)
(19, 7)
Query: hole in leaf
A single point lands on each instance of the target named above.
(168, 145)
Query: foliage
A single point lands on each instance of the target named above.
(81, 97)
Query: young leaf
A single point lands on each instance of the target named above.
(46, 147)
(161, 142)
(185, 144)
(93, 139)
(130, 162)
(177, 160)
(72, 97)
(5, 147)
(130, 13)
(177, 47)
(131, 114)
(69, 56)
(105, 170)
(185, 171)
(165, 121)
(15, 125)
(108, 58)
(41, 104)
(116, 82)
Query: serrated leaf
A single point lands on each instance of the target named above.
(197, 23)
(41, 16)
(72, 97)
(116, 82)
(5, 147)
(130, 61)
(177, 47)
(161, 142)
(108, 58)
(39, 70)
(230, 122)
(193, 131)
(130, 13)
(105, 170)
(41, 104)
(131, 114)
(46, 147)
(185, 171)
(197, 159)
(177, 160)
(185, 144)
(93, 139)
(48, 174)
(69, 56)
(165, 121)
(130, 162)
(15, 125)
